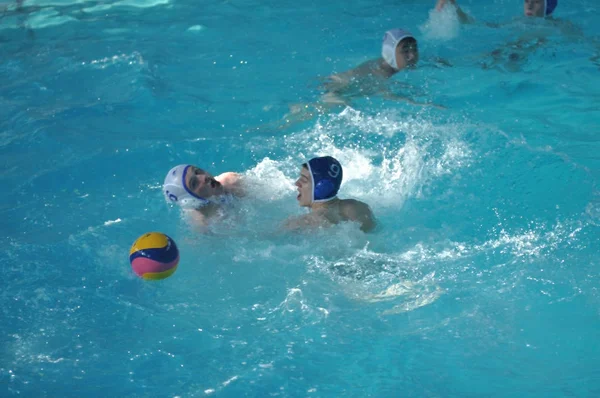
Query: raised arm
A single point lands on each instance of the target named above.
(463, 17)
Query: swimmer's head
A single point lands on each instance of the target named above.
(539, 8)
(399, 49)
(191, 187)
(319, 181)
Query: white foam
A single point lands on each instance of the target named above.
(295, 304)
(269, 182)
(196, 28)
(441, 25)
(141, 3)
(116, 31)
(592, 210)
(122, 3)
(134, 58)
(52, 3)
(98, 8)
(228, 381)
(386, 157)
(46, 18)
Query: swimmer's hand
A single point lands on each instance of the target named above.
(196, 221)
(336, 83)
(441, 3)
(463, 17)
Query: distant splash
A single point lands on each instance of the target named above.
(441, 25)
(135, 58)
(51, 13)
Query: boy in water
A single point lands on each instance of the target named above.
(399, 51)
(318, 185)
(201, 195)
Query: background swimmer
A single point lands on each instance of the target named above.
(399, 51)
(199, 194)
(531, 8)
(540, 25)
(318, 185)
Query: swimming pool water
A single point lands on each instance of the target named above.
(481, 280)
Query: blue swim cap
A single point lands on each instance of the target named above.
(550, 6)
(327, 176)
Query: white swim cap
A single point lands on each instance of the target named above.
(175, 189)
(390, 42)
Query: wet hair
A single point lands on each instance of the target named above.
(409, 40)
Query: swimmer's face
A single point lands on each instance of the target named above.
(407, 53)
(202, 183)
(305, 188)
(533, 8)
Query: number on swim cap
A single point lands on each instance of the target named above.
(334, 170)
(171, 197)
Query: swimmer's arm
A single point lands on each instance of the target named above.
(439, 61)
(463, 17)
(435, 62)
(360, 212)
(395, 97)
(302, 222)
(197, 220)
(337, 82)
(522, 46)
(340, 81)
(570, 30)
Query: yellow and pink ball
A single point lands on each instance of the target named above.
(154, 256)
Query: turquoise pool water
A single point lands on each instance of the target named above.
(482, 279)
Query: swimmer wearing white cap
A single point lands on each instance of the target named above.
(399, 50)
(318, 185)
(200, 194)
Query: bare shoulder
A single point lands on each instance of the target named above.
(232, 182)
(355, 210)
(364, 69)
(228, 177)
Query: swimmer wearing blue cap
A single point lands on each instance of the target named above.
(200, 194)
(318, 185)
(511, 56)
